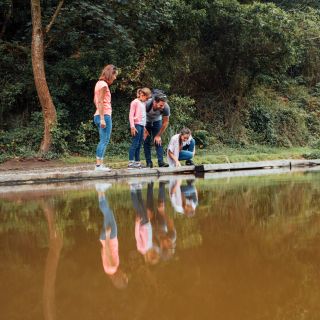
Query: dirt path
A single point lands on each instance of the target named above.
(31, 164)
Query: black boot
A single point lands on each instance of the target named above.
(149, 164)
(163, 164)
(189, 163)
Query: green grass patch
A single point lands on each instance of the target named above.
(218, 155)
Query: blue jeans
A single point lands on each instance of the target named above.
(104, 135)
(153, 128)
(134, 151)
(108, 219)
(187, 151)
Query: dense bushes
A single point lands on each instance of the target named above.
(237, 72)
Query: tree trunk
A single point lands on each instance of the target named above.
(37, 56)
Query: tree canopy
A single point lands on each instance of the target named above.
(227, 61)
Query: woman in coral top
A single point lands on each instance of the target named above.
(102, 116)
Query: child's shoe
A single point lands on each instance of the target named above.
(135, 186)
(131, 165)
(138, 165)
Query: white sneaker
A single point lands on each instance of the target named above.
(138, 165)
(131, 165)
(135, 186)
(102, 168)
(102, 186)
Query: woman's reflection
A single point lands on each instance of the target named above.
(109, 241)
(184, 197)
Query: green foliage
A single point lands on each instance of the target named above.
(23, 140)
(312, 155)
(84, 139)
(59, 143)
(276, 121)
(182, 112)
(261, 123)
(243, 71)
(201, 138)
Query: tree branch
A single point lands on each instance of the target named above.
(49, 26)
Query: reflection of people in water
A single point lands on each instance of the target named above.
(164, 229)
(184, 198)
(143, 227)
(109, 241)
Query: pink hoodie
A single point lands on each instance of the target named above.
(137, 113)
(143, 234)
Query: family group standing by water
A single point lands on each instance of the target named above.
(148, 117)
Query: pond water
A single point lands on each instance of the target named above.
(232, 248)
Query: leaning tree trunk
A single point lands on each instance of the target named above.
(37, 56)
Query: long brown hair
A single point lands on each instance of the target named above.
(182, 133)
(107, 72)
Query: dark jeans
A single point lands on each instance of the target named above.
(153, 128)
(161, 195)
(134, 151)
(138, 205)
(187, 151)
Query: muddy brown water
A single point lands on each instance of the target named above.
(236, 248)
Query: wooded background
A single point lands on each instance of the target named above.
(236, 72)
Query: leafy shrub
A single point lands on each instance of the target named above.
(261, 125)
(201, 138)
(85, 139)
(312, 155)
(23, 138)
(182, 112)
(290, 127)
(59, 140)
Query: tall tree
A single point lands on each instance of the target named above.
(37, 56)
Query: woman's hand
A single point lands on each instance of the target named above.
(134, 131)
(178, 164)
(102, 123)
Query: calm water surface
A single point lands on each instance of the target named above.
(239, 248)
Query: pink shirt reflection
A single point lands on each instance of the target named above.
(110, 255)
(143, 234)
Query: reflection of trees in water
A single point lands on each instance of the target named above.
(277, 206)
(55, 246)
(270, 233)
(146, 289)
(246, 236)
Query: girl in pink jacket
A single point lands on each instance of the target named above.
(137, 119)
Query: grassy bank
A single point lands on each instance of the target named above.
(220, 155)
